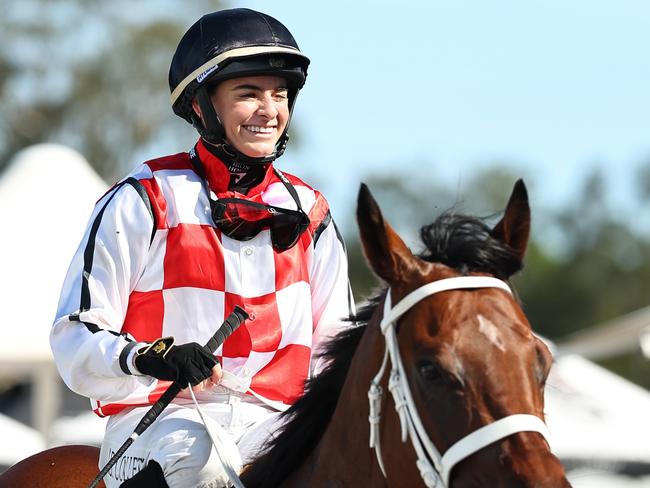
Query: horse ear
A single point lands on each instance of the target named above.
(387, 254)
(514, 228)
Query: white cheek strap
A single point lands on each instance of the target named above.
(411, 424)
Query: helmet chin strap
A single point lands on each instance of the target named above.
(212, 131)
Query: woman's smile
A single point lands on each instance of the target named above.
(260, 130)
(254, 112)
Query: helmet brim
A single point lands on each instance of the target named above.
(291, 68)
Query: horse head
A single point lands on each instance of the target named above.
(469, 355)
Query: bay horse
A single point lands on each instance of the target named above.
(467, 375)
(469, 370)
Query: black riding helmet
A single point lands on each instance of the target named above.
(230, 44)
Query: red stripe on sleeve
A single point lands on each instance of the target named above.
(174, 161)
(317, 212)
(158, 202)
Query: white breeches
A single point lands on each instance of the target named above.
(178, 441)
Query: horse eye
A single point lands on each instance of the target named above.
(429, 370)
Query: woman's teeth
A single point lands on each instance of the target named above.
(257, 128)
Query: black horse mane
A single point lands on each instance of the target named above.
(459, 241)
(466, 244)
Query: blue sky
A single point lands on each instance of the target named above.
(552, 88)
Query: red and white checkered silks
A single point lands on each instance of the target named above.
(192, 276)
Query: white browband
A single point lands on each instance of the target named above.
(411, 424)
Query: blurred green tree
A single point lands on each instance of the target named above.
(93, 76)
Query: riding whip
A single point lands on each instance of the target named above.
(232, 322)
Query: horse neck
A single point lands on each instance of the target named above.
(342, 457)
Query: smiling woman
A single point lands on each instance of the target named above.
(254, 112)
(184, 239)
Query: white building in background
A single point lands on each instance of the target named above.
(621, 335)
(602, 421)
(47, 194)
(599, 424)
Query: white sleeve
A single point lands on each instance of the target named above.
(89, 351)
(331, 295)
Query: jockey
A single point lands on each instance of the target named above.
(170, 251)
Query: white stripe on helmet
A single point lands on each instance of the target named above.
(233, 53)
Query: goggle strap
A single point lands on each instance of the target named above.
(290, 188)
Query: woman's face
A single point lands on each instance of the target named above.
(254, 112)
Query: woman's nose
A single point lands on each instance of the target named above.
(267, 107)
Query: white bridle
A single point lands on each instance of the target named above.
(411, 425)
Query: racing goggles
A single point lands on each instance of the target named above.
(242, 220)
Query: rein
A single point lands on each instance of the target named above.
(434, 468)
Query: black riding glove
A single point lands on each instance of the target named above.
(188, 363)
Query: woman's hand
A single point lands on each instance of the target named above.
(187, 364)
(208, 383)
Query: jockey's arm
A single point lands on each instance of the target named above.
(331, 295)
(92, 356)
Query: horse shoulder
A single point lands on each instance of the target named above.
(59, 467)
